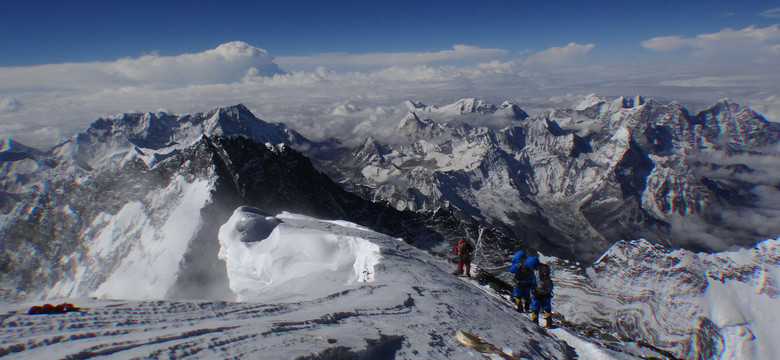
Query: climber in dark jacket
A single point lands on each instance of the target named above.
(522, 282)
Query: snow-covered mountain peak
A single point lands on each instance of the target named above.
(11, 145)
(107, 141)
(11, 150)
(627, 102)
(736, 128)
(410, 121)
(512, 111)
(414, 105)
(468, 106)
(414, 128)
(372, 151)
(590, 101)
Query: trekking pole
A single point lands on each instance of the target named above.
(477, 343)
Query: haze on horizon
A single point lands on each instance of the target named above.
(305, 63)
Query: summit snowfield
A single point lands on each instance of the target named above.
(313, 289)
(330, 289)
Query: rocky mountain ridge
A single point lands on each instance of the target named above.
(570, 182)
(574, 181)
(137, 208)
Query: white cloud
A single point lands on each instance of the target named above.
(226, 64)
(8, 105)
(772, 13)
(751, 41)
(561, 55)
(397, 59)
(666, 43)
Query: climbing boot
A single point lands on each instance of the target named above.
(535, 316)
(548, 318)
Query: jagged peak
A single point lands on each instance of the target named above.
(590, 101)
(414, 105)
(373, 146)
(470, 105)
(726, 104)
(13, 145)
(515, 111)
(726, 101)
(237, 110)
(640, 245)
(629, 102)
(410, 120)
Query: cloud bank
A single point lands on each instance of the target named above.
(561, 55)
(750, 41)
(399, 59)
(225, 64)
(41, 104)
(772, 13)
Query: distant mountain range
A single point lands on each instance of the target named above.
(570, 182)
(574, 181)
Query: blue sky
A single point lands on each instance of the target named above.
(44, 32)
(65, 63)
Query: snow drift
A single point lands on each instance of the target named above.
(269, 258)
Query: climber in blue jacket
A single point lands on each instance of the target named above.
(522, 282)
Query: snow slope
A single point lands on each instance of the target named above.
(310, 297)
(135, 253)
(693, 305)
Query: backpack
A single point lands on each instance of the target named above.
(464, 251)
(544, 283)
(523, 277)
